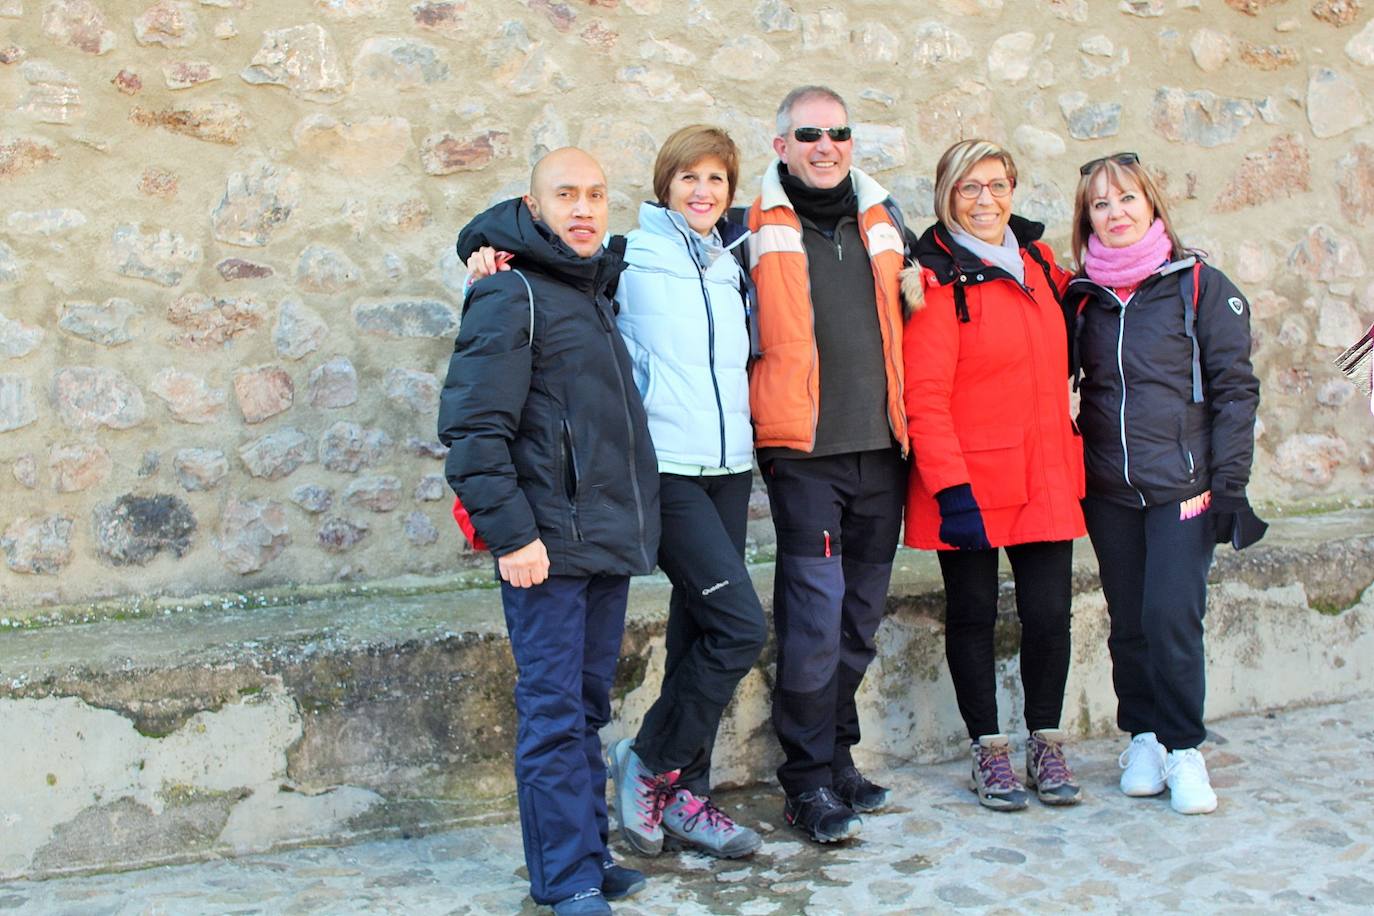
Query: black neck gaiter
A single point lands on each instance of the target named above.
(823, 206)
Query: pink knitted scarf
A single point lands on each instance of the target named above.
(1127, 266)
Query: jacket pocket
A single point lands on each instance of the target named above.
(572, 478)
(996, 461)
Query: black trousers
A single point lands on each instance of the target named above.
(716, 627)
(1043, 573)
(1154, 575)
(837, 519)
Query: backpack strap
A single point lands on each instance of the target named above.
(895, 213)
(530, 292)
(1189, 281)
(1039, 258)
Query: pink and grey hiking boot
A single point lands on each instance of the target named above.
(697, 822)
(1047, 772)
(993, 779)
(640, 797)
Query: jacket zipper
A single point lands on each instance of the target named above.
(1121, 372)
(608, 329)
(710, 341)
(575, 479)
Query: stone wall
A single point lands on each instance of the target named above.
(227, 291)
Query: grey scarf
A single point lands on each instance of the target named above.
(1006, 255)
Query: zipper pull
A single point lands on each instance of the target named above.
(827, 542)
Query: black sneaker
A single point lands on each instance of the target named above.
(821, 816)
(857, 792)
(619, 882)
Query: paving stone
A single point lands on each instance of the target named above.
(134, 529)
(78, 467)
(252, 533)
(37, 546)
(87, 398)
(200, 468)
(189, 397)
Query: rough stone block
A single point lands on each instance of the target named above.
(252, 533)
(200, 468)
(17, 408)
(333, 384)
(18, 338)
(263, 392)
(299, 329)
(276, 454)
(189, 398)
(78, 24)
(406, 317)
(255, 204)
(162, 258)
(38, 545)
(417, 392)
(348, 447)
(133, 529)
(214, 120)
(78, 467)
(88, 398)
(303, 59)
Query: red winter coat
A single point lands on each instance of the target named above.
(987, 399)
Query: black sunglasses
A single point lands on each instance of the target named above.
(1118, 158)
(812, 134)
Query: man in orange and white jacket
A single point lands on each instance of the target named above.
(830, 428)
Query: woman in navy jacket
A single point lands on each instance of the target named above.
(1167, 412)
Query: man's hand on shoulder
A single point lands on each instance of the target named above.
(525, 567)
(486, 261)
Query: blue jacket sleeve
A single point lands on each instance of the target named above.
(479, 411)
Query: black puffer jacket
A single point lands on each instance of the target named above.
(547, 437)
(1145, 440)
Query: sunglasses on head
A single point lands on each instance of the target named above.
(812, 134)
(1118, 158)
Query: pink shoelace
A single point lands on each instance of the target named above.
(699, 809)
(995, 764)
(654, 794)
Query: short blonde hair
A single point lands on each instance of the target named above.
(686, 147)
(957, 162)
(1119, 174)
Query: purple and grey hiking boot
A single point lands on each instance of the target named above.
(640, 797)
(697, 822)
(993, 779)
(1047, 772)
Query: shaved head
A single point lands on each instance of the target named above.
(568, 194)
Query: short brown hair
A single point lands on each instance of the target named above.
(1119, 174)
(956, 162)
(688, 146)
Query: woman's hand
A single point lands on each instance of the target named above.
(486, 261)
(1192, 508)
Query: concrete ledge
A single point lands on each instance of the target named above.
(200, 734)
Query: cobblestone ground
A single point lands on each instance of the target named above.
(1292, 835)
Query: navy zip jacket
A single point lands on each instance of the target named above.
(1146, 440)
(546, 433)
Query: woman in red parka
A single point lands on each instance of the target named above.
(998, 463)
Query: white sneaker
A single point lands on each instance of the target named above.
(1143, 766)
(1190, 791)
